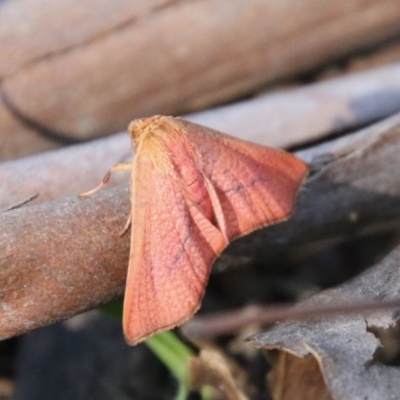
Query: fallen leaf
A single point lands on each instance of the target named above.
(344, 346)
(212, 368)
(296, 378)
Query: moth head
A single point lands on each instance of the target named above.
(153, 139)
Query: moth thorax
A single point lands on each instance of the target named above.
(139, 128)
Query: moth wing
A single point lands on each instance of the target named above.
(256, 185)
(172, 249)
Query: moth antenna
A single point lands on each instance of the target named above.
(116, 168)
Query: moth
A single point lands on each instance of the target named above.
(193, 191)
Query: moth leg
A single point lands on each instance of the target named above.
(127, 225)
(116, 168)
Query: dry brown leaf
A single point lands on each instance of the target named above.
(343, 346)
(296, 378)
(212, 368)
